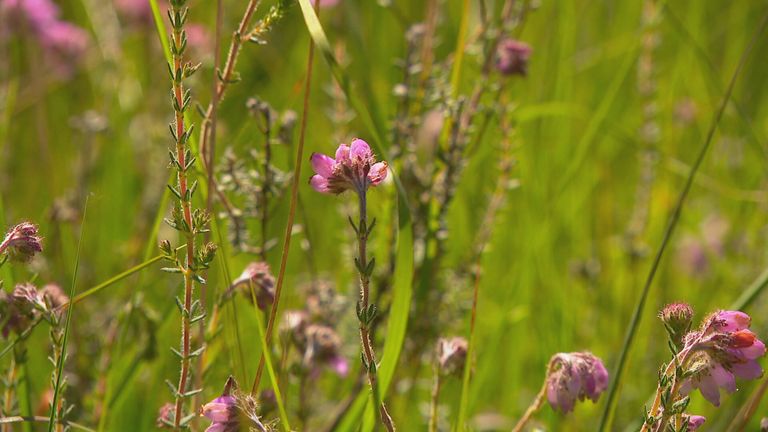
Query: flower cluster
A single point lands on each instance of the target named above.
(63, 42)
(354, 168)
(722, 350)
(21, 242)
(318, 344)
(26, 304)
(232, 410)
(574, 376)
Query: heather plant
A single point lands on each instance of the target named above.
(544, 176)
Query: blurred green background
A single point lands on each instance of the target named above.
(606, 127)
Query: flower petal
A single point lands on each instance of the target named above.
(695, 421)
(322, 164)
(378, 173)
(342, 153)
(747, 370)
(709, 390)
(359, 149)
(757, 350)
(733, 320)
(724, 379)
(319, 183)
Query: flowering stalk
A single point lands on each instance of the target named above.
(184, 219)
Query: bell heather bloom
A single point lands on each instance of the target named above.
(354, 168)
(258, 274)
(512, 57)
(721, 351)
(574, 376)
(451, 355)
(22, 242)
(222, 411)
(694, 421)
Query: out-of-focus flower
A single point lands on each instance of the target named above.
(165, 416)
(34, 14)
(723, 349)
(324, 304)
(323, 349)
(677, 320)
(575, 376)
(19, 308)
(694, 421)
(200, 41)
(354, 168)
(257, 276)
(451, 355)
(293, 326)
(222, 412)
(512, 57)
(696, 251)
(22, 242)
(764, 424)
(65, 44)
(53, 296)
(136, 11)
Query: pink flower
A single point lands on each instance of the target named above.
(512, 57)
(222, 412)
(323, 349)
(694, 421)
(37, 14)
(721, 351)
(574, 376)
(22, 242)
(259, 275)
(451, 354)
(66, 45)
(136, 11)
(355, 168)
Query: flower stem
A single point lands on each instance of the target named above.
(365, 338)
(680, 360)
(533, 408)
(179, 42)
(435, 398)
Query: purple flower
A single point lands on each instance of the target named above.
(512, 57)
(136, 11)
(222, 412)
(323, 349)
(22, 242)
(258, 275)
(66, 44)
(694, 421)
(36, 14)
(355, 168)
(574, 376)
(721, 351)
(451, 354)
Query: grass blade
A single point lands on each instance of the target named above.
(605, 421)
(67, 321)
(271, 373)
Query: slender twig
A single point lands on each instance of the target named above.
(640, 306)
(291, 214)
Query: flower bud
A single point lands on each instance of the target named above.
(451, 355)
(677, 320)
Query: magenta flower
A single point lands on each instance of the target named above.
(694, 421)
(721, 351)
(66, 44)
(222, 412)
(355, 168)
(22, 242)
(512, 57)
(36, 14)
(574, 376)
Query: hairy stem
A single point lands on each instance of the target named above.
(365, 337)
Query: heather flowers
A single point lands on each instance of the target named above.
(354, 168)
(708, 359)
(571, 377)
(257, 281)
(21, 243)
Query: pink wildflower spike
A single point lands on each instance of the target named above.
(721, 351)
(575, 376)
(354, 168)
